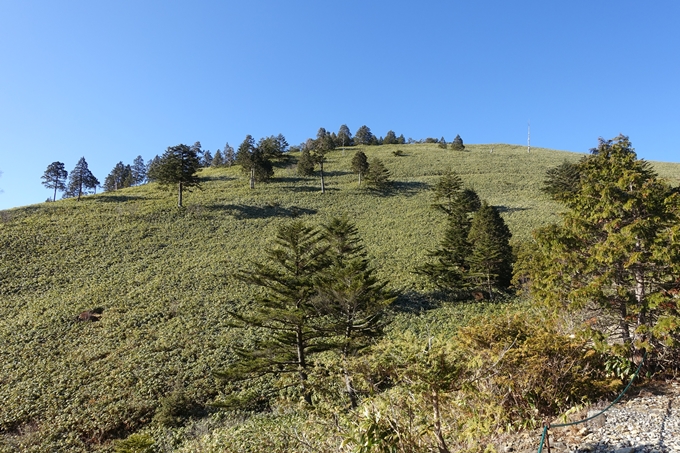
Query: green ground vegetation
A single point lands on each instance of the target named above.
(163, 280)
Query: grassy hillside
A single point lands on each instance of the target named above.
(163, 277)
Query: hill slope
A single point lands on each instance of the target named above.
(163, 277)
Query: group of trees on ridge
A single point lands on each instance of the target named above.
(254, 158)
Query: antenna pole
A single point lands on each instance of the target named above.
(529, 137)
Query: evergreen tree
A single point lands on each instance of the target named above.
(285, 309)
(305, 165)
(218, 160)
(80, 180)
(442, 143)
(448, 193)
(457, 144)
(55, 177)
(121, 176)
(178, 167)
(562, 182)
(229, 155)
(138, 171)
(350, 297)
(616, 247)
(377, 175)
(344, 137)
(390, 138)
(207, 159)
(360, 164)
(448, 267)
(490, 258)
(152, 167)
(364, 136)
(401, 140)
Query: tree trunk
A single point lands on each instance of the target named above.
(302, 365)
(252, 178)
(359, 179)
(441, 444)
(323, 187)
(179, 195)
(54, 198)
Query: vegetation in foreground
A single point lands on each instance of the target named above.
(164, 280)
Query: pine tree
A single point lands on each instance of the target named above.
(229, 155)
(377, 175)
(305, 165)
(55, 177)
(457, 144)
(285, 310)
(80, 180)
(448, 193)
(121, 176)
(350, 297)
(178, 167)
(218, 160)
(360, 164)
(344, 137)
(442, 143)
(207, 159)
(138, 171)
(390, 138)
(490, 258)
(364, 136)
(448, 269)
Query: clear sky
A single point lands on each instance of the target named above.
(111, 80)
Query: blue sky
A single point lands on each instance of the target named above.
(111, 80)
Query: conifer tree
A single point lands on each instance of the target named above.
(457, 144)
(80, 180)
(138, 171)
(360, 164)
(448, 267)
(55, 177)
(344, 137)
(350, 297)
(305, 165)
(253, 161)
(228, 155)
(286, 310)
(442, 143)
(377, 175)
(490, 258)
(218, 160)
(178, 167)
(617, 246)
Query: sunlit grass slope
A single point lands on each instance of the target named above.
(164, 276)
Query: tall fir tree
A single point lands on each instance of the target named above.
(55, 177)
(305, 165)
(81, 180)
(350, 297)
(457, 144)
(138, 171)
(178, 167)
(360, 164)
(491, 257)
(285, 310)
(377, 175)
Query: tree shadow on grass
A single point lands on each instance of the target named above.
(242, 212)
(217, 178)
(408, 189)
(503, 209)
(116, 198)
